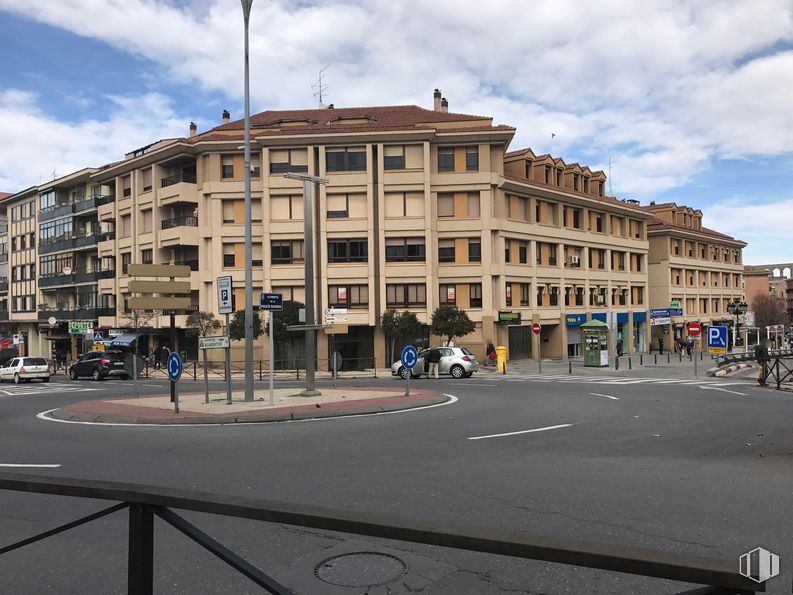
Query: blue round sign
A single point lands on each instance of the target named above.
(409, 357)
(174, 366)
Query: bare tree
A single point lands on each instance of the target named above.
(205, 324)
(768, 310)
(138, 319)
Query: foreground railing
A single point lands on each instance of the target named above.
(146, 502)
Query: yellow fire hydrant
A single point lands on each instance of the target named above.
(501, 359)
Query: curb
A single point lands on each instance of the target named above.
(64, 414)
(718, 372)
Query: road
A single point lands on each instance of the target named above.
(701, 468)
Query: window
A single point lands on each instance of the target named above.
(347, 251)
(146, 219)
(554, 296)
(621, 261)
(145, 176)
(394, 157)
(473, 204)
(576, 219)
(552, 255)
(558, 177)
(404, 250)
(576, 182)
(445, 250)
(586, 184)
(404, 204)
(523, 252)
(599, 223)
(338, 206)
(527, 169)
(345, 159)
(126, 260)
(597, 258)
(46, 200)
(508, 294)
(547, 174)
(579, 296)
(445, 159)
(229, 211)
(447, 295)
(472, 158)
(288, 160)
(286, 251)
(474, 250)
(445, 205)
(229, 256)
(227, 166)
(524, 294)
(348, 296)
(146, 256)
(126, 185)
(507, 245)
(475, 295)
(126, 226)
(406, 295)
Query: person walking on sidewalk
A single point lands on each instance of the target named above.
(762, 357)
(490, 359)
(434, 358)
(619, 347)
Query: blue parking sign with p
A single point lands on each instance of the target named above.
(717, 339)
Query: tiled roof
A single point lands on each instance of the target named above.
(657, 225)
(605, 199)
(5, 195)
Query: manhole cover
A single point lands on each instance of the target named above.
(360, 569)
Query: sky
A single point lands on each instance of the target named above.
(687, 100)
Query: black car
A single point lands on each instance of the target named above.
(99, 365)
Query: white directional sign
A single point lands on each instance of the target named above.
(224, 295)
(336, 315)
(221, 342)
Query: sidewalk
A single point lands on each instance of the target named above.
(287, 406)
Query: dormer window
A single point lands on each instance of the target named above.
(547, 174)
(558, 177)
(576, 182)
(586, 184)
(527, 169)
(600, 188)
(359, 119)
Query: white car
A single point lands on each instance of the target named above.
(25, 368)
(455, 361)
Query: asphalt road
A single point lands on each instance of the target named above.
(671, 466)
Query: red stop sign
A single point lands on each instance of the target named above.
(536, 328)
(694, 329)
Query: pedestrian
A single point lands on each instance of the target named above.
(157, 357)
(689, 347)
(491, 354)
(435, 358)
(164, 354)
(661, 346)
(619, 347)
(762, 357)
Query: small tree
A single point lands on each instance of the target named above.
(138, 319)
(204, 324)
(396, 325)
(237, 325)
(289, 316)
(451, 322)
(390, 323)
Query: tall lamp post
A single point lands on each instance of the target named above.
(308, 252)
(737, 308)
(246, 12)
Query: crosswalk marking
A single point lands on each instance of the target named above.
(43, 389)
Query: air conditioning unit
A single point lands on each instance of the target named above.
(575, 259)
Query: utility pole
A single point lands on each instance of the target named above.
(246, 11)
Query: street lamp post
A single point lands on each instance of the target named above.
(737, 308)
(246, 12)
(308, 252)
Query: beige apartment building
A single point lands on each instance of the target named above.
(696, 267)
(423, 208)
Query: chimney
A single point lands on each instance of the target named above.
(444, 105)
(437, 100)
(226, 116)
(193, 129)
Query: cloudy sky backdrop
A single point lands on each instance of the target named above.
(690, 99)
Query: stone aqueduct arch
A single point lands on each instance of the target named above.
(777, 270)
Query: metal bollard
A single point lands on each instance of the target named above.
(616, 363)
(569, 367)
(680, 357)
(668, 359)
(656, 359)
(195, 371)
(630, 364)
(641, 359)
(260, 370)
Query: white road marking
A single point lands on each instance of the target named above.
(472, 384)
(44, 416)
(520, 432)
(15, 465)
(607, 396)
(734, 392)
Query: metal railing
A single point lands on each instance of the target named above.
(188, 221)
(190, 178)
(291, 369)
(145, 502)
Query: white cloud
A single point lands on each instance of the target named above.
(34, 144)
(663, 86)
(766, 227)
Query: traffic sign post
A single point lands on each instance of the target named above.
(226, 307)
(694, 329)
(409, 358)
(271, 302)
(335, 365)
(717, 340)
(174, 368)
(536, 328)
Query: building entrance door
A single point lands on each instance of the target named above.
(519, 342)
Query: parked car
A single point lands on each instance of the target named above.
(456, 361)
(99, 365)
(25, 368)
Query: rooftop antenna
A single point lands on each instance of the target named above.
(320, 88)
(54, 173)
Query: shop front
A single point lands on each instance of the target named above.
(573, 323)
(622, 330)
(640, 332)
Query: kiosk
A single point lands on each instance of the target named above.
(595, 342)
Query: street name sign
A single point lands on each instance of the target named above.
(271, 302)
(80, 327)
(221, 342)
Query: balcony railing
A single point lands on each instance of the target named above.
(189, 221)
(193, 264)
(73, 241)
(189, 178)
(78, 276)
(65, 312)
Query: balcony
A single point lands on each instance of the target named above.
(76, 278)
(179, 231)
(3, 257)
(80, 205)
(73, 241)
(179, 188)
(64, 312)
(3, 284)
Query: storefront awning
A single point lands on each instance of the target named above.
(123, 340)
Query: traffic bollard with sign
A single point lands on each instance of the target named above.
(409, 358)
(174, 367)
